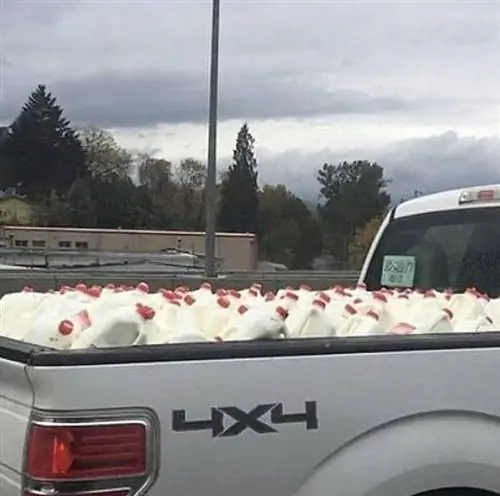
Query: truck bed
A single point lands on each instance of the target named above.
(378, 416)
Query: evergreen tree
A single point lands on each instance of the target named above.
(239, 200)
(289, 232)
(4, 169)
(42, 150)
(352, 193)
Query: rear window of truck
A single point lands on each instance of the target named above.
(451, 249)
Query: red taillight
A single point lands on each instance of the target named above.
(479, 195)
(86, 452)
(486, 195)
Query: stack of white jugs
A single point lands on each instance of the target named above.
(83, 317)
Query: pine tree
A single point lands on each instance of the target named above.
(42, 150)
(239, 200)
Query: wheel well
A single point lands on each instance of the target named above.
(458, 491)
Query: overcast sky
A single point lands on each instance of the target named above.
(414, 85)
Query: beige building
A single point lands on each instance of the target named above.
(15, 210)
(235, 251)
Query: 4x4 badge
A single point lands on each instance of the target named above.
(243, 420)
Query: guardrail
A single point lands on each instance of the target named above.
(15, 279)
(65, 273)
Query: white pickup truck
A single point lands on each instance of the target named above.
(377, 416)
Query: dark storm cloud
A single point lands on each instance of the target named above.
(431, 164)
(145, 100)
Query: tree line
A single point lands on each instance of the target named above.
(81, 177)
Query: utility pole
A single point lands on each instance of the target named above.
(211, 180)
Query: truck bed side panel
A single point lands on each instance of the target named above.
(15, 406)
(354, 394)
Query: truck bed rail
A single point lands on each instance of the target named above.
(35, 355)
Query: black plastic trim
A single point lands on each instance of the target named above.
(392, 214)
(18, 351)
(32, 355)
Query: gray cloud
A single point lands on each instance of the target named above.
(145, 100)
(142, 100)
(427, 164)
(120, 63)
(36, 12)
(442, 162)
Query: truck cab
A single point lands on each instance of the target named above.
(445, 240)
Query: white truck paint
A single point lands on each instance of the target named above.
(386, 416)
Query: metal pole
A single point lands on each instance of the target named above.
(211, 180)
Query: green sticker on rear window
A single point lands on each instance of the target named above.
(398, 271)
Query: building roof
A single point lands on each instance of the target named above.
(125, 231)
(6, 195)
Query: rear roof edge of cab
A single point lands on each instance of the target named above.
(447, 200)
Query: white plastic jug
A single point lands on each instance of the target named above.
(366, 325)
(256, 324)
(122, 327)
(217, 318)
(317, 323)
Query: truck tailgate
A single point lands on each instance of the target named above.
(15, 406)
(264, 425)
